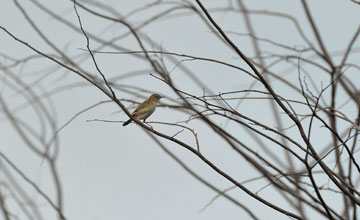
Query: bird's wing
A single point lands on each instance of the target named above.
(141, 107)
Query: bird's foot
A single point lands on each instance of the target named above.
(151, 128)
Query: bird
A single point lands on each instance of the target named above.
(145, 109)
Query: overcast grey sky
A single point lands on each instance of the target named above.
(112, 172)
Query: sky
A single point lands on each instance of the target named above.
(108, 171)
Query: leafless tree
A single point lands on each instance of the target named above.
(294, 119)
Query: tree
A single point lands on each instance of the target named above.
(254, 96)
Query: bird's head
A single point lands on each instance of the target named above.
(155, 97)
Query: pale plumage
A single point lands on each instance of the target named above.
(145, 109)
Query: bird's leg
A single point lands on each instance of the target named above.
(151, 128)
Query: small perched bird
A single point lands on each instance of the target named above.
(145, 109)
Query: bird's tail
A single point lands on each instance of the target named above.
(127, 122)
